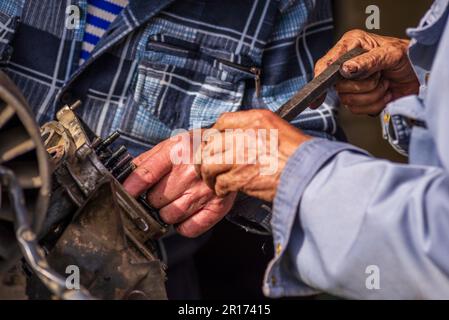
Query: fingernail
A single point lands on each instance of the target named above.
(350, 68)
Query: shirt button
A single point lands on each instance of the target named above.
(273, 280)
(278, 249)
(387, 118)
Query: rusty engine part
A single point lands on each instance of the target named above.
(86, 220)
(22, 152)
(24, 190)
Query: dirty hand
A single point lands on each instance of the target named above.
(182, 198)
(248, 160)
(374, 79)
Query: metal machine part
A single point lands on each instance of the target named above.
(25, 176)
(83, 218)
(92, 222)
(24, 190)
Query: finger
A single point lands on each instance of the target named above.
(206, 218)
(241, 119)
(188, 204)
(372, 109)
(183, 138)
(231, 120)
(366, 99)
(209, 172)
(172, 186)
(144, 156)
(149, 172)
(217, 157)
(375, 60)
(229, 182)
(345, 45)
(359, 86)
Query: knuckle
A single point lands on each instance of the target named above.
(257, 121)
(260, 114)
(224, 117)
(166, 216)
(261, 117)
(371, 60)
(147, 174)
(187, 200)
(266, 114)
(221, 186)
(355, 33)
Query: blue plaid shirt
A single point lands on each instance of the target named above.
(164, 65)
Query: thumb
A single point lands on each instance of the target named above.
(367, 64)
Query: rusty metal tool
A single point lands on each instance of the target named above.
(316, 88)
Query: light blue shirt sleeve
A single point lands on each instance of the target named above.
(342, 217)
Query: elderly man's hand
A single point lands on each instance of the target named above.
(182, 197)
(248, 152)
(375, 78)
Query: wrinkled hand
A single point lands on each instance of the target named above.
(375, 78)
(182, 198)
(241, 161)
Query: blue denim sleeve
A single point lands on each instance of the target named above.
(345, 214)
(281, 278)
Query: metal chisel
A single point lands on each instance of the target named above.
(316, 88)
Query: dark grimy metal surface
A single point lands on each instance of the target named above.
(25, 166)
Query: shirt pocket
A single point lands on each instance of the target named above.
(182, 86)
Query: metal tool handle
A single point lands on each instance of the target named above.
(316, 88)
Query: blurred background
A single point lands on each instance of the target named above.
(232, 264)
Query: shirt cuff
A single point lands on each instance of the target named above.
(282, 278)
